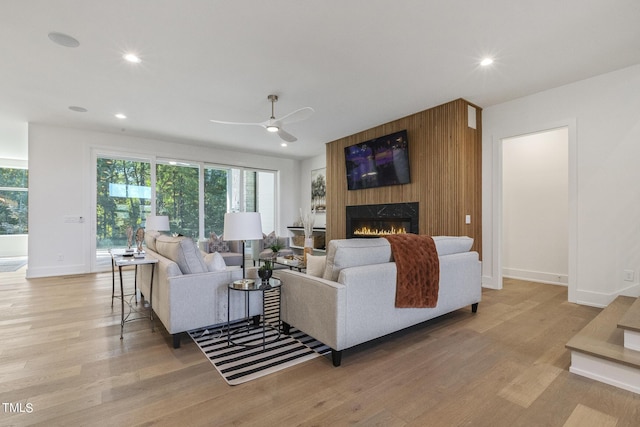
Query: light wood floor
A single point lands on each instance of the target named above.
(504, 366)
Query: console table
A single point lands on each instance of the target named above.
(124, 261)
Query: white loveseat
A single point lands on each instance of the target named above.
(189, 290)
(354, 301)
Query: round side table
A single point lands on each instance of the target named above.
(270, 293)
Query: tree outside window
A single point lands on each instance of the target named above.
(14, 204)
(123, 199)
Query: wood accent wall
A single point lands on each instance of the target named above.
(445, 157)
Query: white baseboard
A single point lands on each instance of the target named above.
(536, 276)
(64, 270)
(605, 371)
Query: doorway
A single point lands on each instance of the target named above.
(535, 207)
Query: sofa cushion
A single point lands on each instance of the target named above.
(343, 253)
(215, 262)
(183, 251)
(316, 265)
(150, 239)
(446, 245)
(217, 244)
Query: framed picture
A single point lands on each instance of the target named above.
(319, 190)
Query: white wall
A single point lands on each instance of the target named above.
(603, 114)
(535, 202)
(62, 177)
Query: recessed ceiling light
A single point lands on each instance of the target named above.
(121, 116)
(132, 57)
(63, 39)
(78, 109)
(486, 61)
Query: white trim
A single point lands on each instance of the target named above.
(605, 371)
(498, 138)
(632, 340)
(536, 276)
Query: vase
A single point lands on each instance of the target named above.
(308, 248)
(265, 275)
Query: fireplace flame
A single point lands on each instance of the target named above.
(368, 231)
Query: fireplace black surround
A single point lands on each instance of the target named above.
(381, 219)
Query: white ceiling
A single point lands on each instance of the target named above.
(358, 63)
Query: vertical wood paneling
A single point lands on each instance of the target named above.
(446, 176)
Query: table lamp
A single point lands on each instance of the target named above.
(242, 226)
(157, 223)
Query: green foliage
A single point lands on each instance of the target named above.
(14, 213)
(177, 195)
(215, 199)
(268, 265)
(276, 247)
(120, 185)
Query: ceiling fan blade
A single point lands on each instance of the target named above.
(297, 115)
(237, 123)
(286, 136)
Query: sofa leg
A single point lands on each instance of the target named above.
(286, 328)
(336, 357)
(474, 308)
(176, 340)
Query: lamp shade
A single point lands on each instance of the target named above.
(158, 223)
(242, 226)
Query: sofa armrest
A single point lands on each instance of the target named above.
(315, 306)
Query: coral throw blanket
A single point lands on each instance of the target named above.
(418, 270)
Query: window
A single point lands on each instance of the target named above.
(177, 195)
(123, 199)
(216, 199)
(14, 201)
(193, 195)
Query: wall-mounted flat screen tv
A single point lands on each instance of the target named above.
(378, 162)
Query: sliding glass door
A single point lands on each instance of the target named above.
(123, 199)
(178, 196)
(195, 196)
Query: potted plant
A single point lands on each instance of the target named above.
(265, 271)
(276, 248)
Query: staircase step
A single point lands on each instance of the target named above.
(603, 339)
(630, 324)
(631, 319)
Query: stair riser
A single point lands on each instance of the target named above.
(632, 340)
(605, 371)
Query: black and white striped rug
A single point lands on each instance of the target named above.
(239, 364)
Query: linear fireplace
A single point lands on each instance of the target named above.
(382, 219)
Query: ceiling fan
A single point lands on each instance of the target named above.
(275, 125)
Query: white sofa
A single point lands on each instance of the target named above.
(189, 291)
(354, 301)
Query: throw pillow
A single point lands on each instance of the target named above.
(217, 244)
(150, 239)
(215, 262)
(183, 251)
(270, 239)
(316, 265)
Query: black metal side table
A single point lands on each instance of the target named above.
(123, 262)
(270, 293)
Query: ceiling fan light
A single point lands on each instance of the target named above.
(273, 128)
